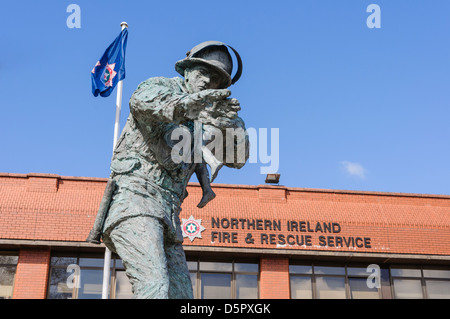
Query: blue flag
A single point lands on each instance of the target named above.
(110, 69)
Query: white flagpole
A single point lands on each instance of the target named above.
(106, 265)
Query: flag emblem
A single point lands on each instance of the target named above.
(192, 228)
(109, 74)
(110, 69)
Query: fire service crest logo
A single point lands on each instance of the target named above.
(109, 74)
(192, 228)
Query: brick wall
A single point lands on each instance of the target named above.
(391, 223)
(52, 207)
(57, 208)
(32, 274)
(48, 207)
(274, 278)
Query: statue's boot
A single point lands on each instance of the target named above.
(207, 197)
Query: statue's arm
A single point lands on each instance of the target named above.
(153, 101)
(157, 100)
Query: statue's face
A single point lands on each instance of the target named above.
(200, 78)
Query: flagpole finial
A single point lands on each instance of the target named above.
(124, 25)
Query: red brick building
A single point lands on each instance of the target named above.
(250, 242)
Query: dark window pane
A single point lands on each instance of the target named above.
(216, 286)
(405, 272)
(193, 276)
(8, 260)
(119, 263)
(7, 274)
(330, 287)
(123, 286)
(63, 261)
(438, 289)
(407, 289)
(192, 265)
(246, 286)
(325, 270)
(92, 262)
(360, 290)
(58, 286)
(246, 267)
(358, 271)
(297, 269)
(215, 266)
(301, 287)
(436, 273)
(91, 282)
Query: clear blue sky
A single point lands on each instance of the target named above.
(356, 108)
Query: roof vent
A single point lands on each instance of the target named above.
(273, 178)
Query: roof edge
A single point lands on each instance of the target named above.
(45, 175)
(327, 191)
(254, 187)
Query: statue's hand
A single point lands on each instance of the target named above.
(226, 108)
(223, 109)
(197, 102)
(207, 97)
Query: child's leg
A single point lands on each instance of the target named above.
(201, 171)
(213, 162)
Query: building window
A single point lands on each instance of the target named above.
(418, 283)
(357, 284)
(224, 280)
(350, 282)
(301, 281)
(8, 265)
(437, 283)
(330, 282)
(407, 283)
(81, 277)
(122, 285)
